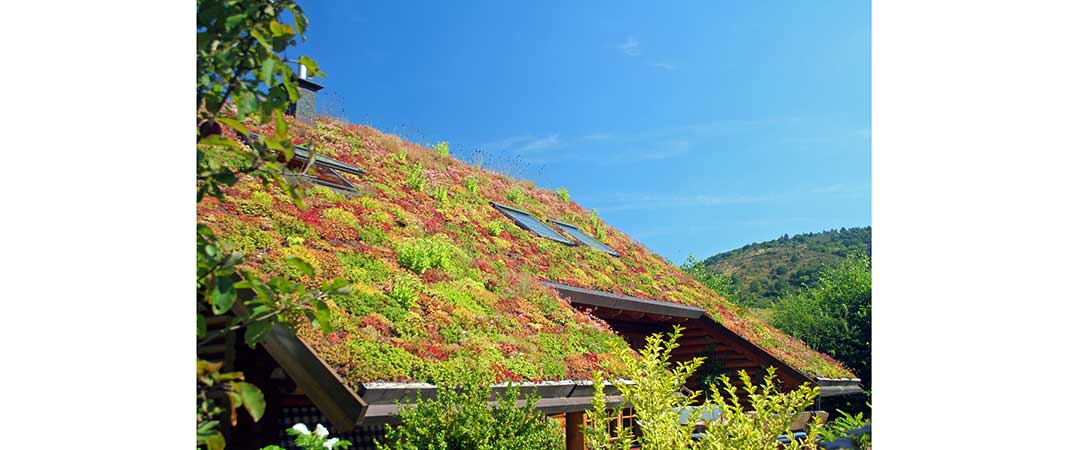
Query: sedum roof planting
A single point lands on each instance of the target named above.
(442, 281)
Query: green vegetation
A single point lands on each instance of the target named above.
(834, 315)
(515, 195)
(239, 46)
(758, 275)
(459, 419)
(495, 228)
(421, 254)
(415, 179)
(470, 294)
(841, 426)
(654, 391)
(441, 148)
(768, 415)
(471, 183)
(563, 194)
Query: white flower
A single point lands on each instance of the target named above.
(329, 444)
(300, 427)
(320, 430)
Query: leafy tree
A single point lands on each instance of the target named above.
(787, 264)
(239, 63)
(723, 284)
(834, 316)
(459, 419)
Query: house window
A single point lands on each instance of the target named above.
(622, 421)
(530, 223)
(579, 235)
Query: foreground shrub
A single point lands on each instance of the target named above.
(653, 389)
(459, 419)
(840, 428)
(768, 416)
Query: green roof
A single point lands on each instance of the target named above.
(443, 281)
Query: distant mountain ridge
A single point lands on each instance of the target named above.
(763, 272)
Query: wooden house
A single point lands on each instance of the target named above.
(455, 266)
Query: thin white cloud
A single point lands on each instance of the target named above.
(551, 141)
(524, 143)
(663, 65)
(630, 47)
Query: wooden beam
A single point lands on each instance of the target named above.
(573, 424)
(315, 377)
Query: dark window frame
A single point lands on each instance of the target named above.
(509, 212)
(567, 227)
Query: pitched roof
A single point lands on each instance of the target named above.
(443, 281)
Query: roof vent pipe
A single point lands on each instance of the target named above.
(304, 109)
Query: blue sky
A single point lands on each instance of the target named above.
(694, 127)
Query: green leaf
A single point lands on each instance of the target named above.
(202, 326)
(281, 30)
(252, 399)
(246, 103)
(281, 128)
(322, 316)
(267, 70)
(236, 125)
(300, 265)
(223, 295)
(215, 441)
(313, 67)
(257, 332)
(233, 259)
(235, 20)
(261, 38)
(207, 427)
(220, 140)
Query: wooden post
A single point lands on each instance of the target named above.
(575, 440)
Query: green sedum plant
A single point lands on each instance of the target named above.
(563, 194)
(414, 178)
(458, 418)
(422, 254)
(441, 148)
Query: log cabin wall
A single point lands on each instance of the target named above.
(724, 351)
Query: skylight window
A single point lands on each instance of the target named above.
(326, 168)
(323, 175)
(530, 223)
(578, 234)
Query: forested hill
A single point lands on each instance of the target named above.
(762, 272)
